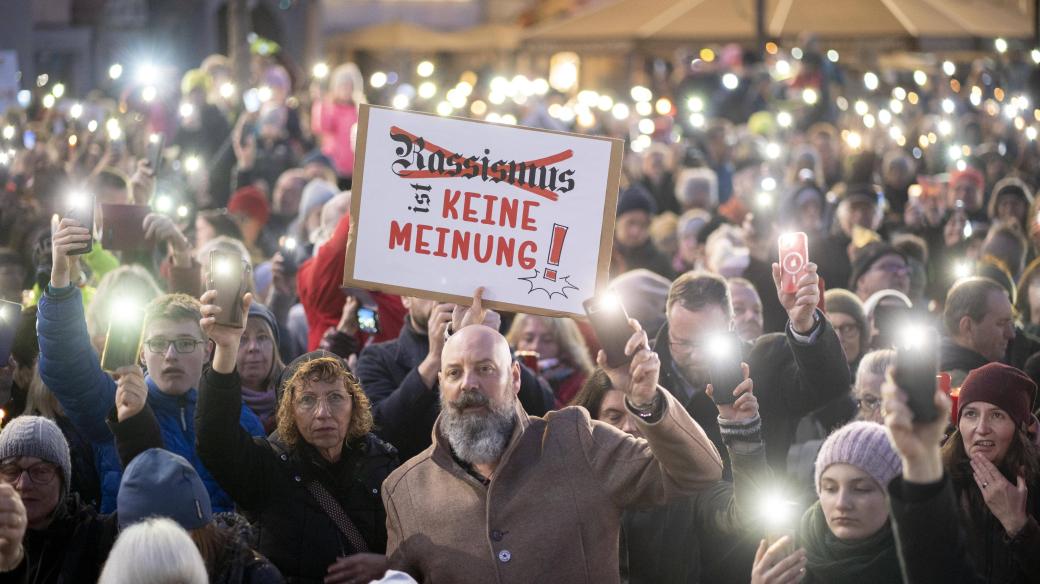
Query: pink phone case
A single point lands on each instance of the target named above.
(794, 259)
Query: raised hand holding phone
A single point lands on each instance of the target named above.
(131, 391)
(636, 377)
(776, 564)
(916, 442)
(68, 237)
(225, 337)
(745, 404)
(725, 366)
(227, 273)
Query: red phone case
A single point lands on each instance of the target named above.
(794, 259)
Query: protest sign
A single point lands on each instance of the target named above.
(444, 205)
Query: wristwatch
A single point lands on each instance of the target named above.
(645, 411)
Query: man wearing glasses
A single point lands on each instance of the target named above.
(173, 352)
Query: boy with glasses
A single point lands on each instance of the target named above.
(174, 351)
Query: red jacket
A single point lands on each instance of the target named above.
(318, 283)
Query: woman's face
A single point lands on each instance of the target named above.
(868, 396)
(853, 503)
(953, 231)
(613, 411)
(986, 430)
(322, 411)
(537, 336)
(255, 353)
(1011, 208)
(849, 334)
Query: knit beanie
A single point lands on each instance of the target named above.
(866, 256)
(635, 198)
(159, 483)
(865, 446)
(262, 312)
(41, 438)
(315, 195)
(251, 202)
(844, 302)
(1001, 385)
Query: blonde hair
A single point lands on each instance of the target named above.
(157, 551)
(326, 369)
(177, 307)
(349, 73)
(131, 280)
(39, 400)
(573, 349)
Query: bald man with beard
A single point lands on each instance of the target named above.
(501, 496)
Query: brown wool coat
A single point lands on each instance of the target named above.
(552, 510)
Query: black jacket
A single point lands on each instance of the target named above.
(958, 361)
(791, 379)
(403, 408)
(74, 547)
(268, 482)
(933, 548)
(705, 538)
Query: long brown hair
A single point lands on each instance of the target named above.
(1022, 457)
(328, 370)
(213, 544)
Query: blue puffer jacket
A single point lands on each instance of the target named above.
(70, 367)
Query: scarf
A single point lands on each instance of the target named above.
(868, 561)
(262, 403)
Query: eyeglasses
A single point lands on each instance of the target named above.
(335, 402)
(41, 473)
(183, 346)
(868, 403)
(848, 329)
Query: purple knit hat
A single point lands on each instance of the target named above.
(865, 446)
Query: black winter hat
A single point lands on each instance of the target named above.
(635, 198)
(865, 257)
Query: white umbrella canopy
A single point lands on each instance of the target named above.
(904, 18)
(636, 20)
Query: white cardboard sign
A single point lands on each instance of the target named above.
(444, 205)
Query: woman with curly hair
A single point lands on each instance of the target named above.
(312, 488)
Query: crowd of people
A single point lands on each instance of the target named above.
(340, 435)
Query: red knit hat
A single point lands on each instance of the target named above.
(1003, 386)
(970, 174)
(251, 202)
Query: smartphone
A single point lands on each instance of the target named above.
(724, 366)
(226, 271)
(122, 227)
(368, 320)
(288, 250)
(609, 321)
(10, 318)
(794, 260)
(529, 359)
(80, 206)
(156, 143)
(29, 140)
(917, 369)
(123, 339)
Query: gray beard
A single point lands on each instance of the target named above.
(477, 437)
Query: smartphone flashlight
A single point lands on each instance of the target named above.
(222, 267)
(913, 337)
(608, 301)
(163, 203)
(764, 200)
(182, 211)
(192, 164)
(78, 200)
(289, 243)
(125, 310)
(962, 269)
(776, 510)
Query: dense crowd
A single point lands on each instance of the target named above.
(332, 434)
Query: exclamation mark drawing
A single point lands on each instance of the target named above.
(555, 250)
